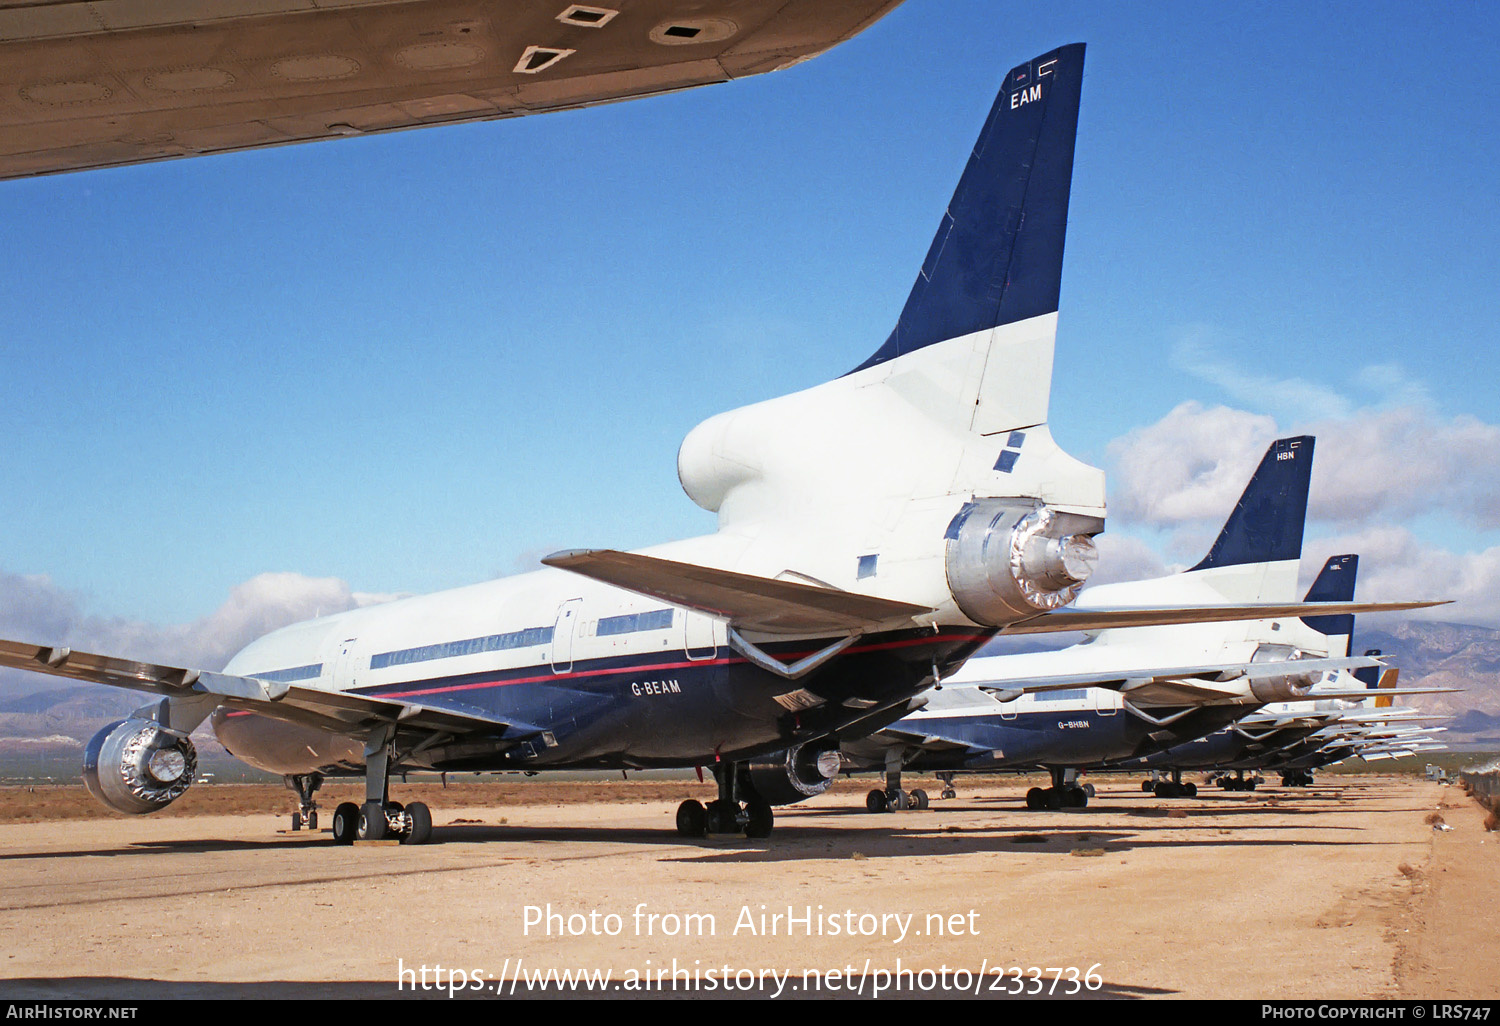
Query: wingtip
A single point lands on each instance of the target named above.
(564, 558)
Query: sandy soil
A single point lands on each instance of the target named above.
(1342, 890)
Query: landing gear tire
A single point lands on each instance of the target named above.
(372, 823)
(896, 800)
(1036, 799)
(875, 802)
(419, 824)
(345, 823)
(1190, 789)
(692, 818)
(723, 817)
(296, 821)
(1088, 789)
(948, 792)
(919, 799)
(760, 819)
(1075, 798)
(312, 821)
(1148, 786)
(1053, 798)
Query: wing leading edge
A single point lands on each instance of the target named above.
(338, 712)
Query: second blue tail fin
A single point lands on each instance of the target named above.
(1266, 524)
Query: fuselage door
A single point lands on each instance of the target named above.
(562, 635)
(344, 665)
(1106, 702)
(699, 635)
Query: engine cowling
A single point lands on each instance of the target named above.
(794, 774)
(138, 766)
(1286, 688)
(1008, 559)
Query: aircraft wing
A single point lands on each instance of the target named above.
(101, 83)
(1105, 619)
(748, 602)
(339, 712)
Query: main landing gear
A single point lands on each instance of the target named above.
(726, 814)
(1239, 782)
(893, 799)
(306, 785)
(380, 818)
(1296, 778)
(1065, 792)
(1173, 788)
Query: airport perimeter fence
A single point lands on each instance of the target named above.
(1483, 782)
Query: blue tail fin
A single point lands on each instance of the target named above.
(1266, 525)
(997, 255)
(1369, 676)
(1335, 583)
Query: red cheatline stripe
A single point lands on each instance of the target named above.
(882, 646)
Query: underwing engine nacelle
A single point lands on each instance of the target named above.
(793, 774)
(1286, 688)
(1009, 558)
(138, 766)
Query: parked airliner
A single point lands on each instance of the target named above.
(873, 532)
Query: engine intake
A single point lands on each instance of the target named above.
(1286, 688)
(1008, 559)
(139, 766)
(794, 774)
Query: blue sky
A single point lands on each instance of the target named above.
(419, 360)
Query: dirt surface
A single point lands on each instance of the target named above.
(1341, 890)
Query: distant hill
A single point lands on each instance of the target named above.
(1450, 655)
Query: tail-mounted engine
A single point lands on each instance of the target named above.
(794, 774)
(139, 766)
(1287, 687)
(1008, 559)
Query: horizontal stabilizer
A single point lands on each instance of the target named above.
(748, 602)
(1105, 619)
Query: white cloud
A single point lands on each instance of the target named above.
(1125, 558)
(1377, 471)
(1196, 354)
(1375, 465)
(1395, 565)
(1406, 461)
(1189, 466)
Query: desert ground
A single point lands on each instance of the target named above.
(1347, 889)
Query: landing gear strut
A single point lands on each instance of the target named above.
(306, 785)
(379, 817)
(1065, 792)
(893, 799)
(725, 814)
